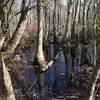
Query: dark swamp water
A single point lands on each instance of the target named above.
(55, 79)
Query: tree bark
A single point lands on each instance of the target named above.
(39, 52)
(13, 42)
(7, 82)
(94, 85)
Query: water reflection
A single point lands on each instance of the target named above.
(55, 82)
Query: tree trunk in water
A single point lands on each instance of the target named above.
(39, 52)
(79, 55)
(7, 82)
(69, 65)
(40, 78)
(90, 55)
(39, 57)
(93, 86)
(94, 60)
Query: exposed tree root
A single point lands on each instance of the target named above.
(42, 67)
